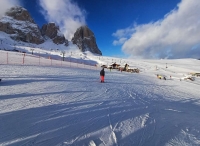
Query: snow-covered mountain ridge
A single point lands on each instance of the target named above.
(20, 26)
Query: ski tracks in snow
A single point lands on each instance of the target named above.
(128, 109)
(112, 136)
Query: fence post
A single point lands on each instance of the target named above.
(23, 57)
(7, 57)
(39, 58)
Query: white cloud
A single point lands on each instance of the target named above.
(176, 36)
(6, 4)
(124, 32)
(122, 35)
(120, 41)
(66, 14)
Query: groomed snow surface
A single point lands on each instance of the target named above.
(68, 106)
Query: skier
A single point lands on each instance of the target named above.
(102, 74)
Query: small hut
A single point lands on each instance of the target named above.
(115, 65)
(126, 67)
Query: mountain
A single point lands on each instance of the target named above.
(52, 31)
(18, 23)
(84, 38)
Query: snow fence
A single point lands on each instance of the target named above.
(19, 58)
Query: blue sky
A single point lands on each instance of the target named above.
(127, 28)
(105, 17)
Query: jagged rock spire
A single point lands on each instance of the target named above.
(84, 38)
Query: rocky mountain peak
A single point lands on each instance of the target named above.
(53, 32)
(19, 13)
(84, 38)
(19, 24)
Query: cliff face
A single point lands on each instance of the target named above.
(18, 22)
(19, 13)
(53, 32)
(84, 38)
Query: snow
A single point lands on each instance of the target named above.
(24, 26)
(67, 105)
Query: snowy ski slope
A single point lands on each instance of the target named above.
(56, 105)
